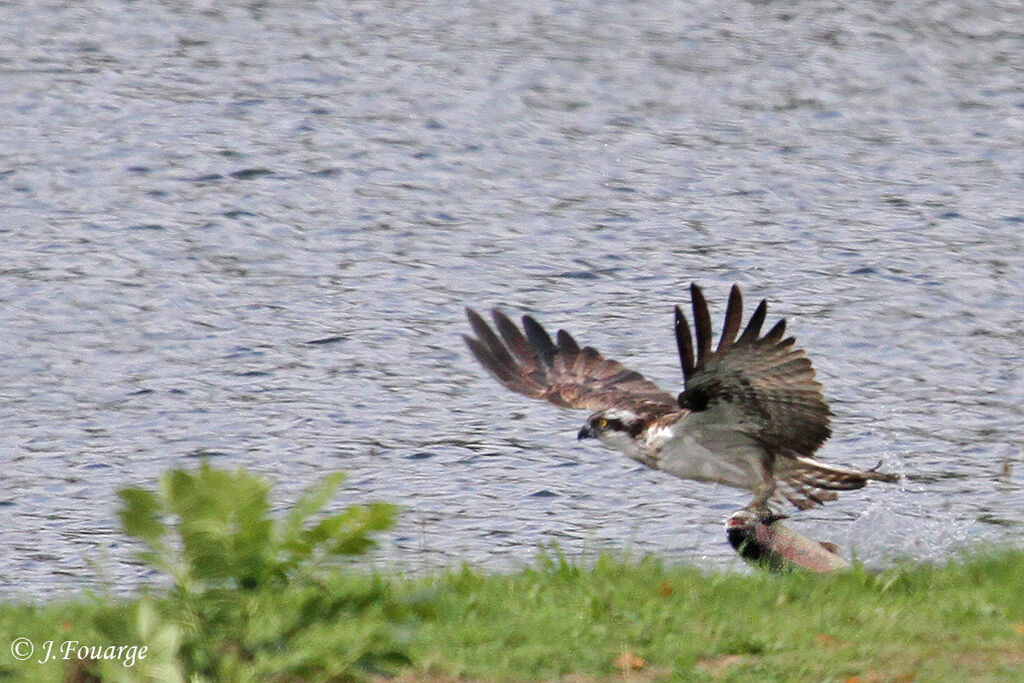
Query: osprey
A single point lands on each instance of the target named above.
(751, 414)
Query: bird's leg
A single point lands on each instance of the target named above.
(762, 494)
(764, 513)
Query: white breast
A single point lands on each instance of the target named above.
(696, 447)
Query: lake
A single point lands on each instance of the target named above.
(247, 234)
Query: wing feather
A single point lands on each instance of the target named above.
(733, 319)
(775, 334)
(559, 371)
(509, 332)
(489, 346)
(566, 342)
(701, 322)
(766, 377)
(685, 344)
(754, 326)
(540, 340)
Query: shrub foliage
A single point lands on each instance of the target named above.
(254, 597)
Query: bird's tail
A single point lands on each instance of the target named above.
(805, 482)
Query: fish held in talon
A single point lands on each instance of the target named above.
(763, 541)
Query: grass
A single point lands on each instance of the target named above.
(617, 620)
(255, 598)
(959, 622)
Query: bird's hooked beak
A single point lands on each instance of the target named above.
(586, 432)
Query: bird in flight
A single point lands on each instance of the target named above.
(751, 414)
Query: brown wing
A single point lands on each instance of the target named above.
(561, 371)
(768, 379)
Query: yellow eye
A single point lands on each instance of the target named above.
(602, 423)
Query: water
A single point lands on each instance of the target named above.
(247, 233)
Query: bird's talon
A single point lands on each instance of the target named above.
(765, 515)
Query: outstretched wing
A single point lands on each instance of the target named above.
(561, 371)
(768, 380)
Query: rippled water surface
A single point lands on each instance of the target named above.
(248, 232)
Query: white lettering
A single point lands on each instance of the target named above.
(66, 647)
(49, 646)
(126, 654)
(135, 652)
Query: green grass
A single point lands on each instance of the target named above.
(256, 598)
(963, 621)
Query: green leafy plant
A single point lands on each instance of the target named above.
(259, 598)
(225, 535)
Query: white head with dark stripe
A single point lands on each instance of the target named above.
(615, 427)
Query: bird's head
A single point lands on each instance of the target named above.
(614, 426)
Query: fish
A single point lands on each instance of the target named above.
(762, 540)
